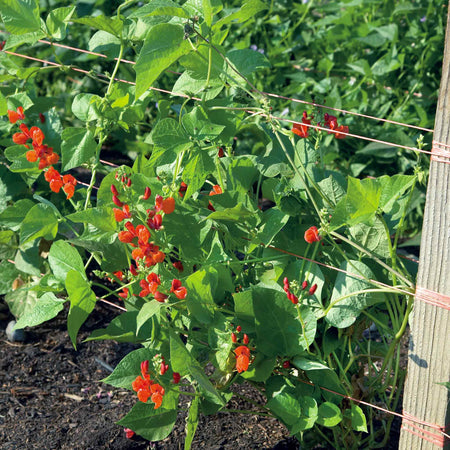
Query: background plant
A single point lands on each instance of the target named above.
(211, 277)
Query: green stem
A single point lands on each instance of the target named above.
(116, 68)
(245, 411)
(101, 139)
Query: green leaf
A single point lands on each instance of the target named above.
(106, 43)
(278, 327)
(40, 221)
(129, 368)
(101, 218)
(46, 307)
(64, 258)
(344, 312)
(169, 135)
(12, 216)
(372, 237)
(285, 406)
(78, 147)
(3, 105)
(392, 188)
(57, 21)
(9, 274)
(196, 171)
(147, 311)
(21, 301)
(329, 415)
(20, 16)
(111, 25)
(84, 107)
(243, 308)
(191, 422)
(17, 154)
(260, 369)
(247, 62)
(197, 125)
(123, 328)
(82, 302)
(238, 213)
(162, 47)
(211, 7)
(150, 423)
(200, 298)
(161, 8)
(357, 417)
(273, 221)
(248, 10)
(362, 201)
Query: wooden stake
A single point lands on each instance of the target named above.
(429, 348)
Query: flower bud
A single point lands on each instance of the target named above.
(116, 201)
(147, 193)
(176, 377)
(245, 340)
(114, 190)
(233, 338)
(312, 289)
(304, 285)
(238, 328)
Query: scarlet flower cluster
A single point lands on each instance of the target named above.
(337, 130)
(145, 387)
(56, 182)
(242, 358)
(302, 130)
(144, 250)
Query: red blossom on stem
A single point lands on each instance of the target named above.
(14, 116)
(312, 235)
(179, 290)
(242, 358)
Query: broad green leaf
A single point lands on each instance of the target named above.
(162, 47)
(82, 302)
(372, 237)
(239, 213)
(21, 301)
(247, 62)
(285, 406)
(9, 274)
(27, 258)
(200, 298)
(40, 221)
(129, 368)
(20, 16)
(248, 10)
(278, 327)
(161, 8)
(78, 147)
(31, 38)
(392, 188)
(329, 415)
(12, 216)
(147, 311)
(198, 126)
(46, 307)
(191, 422)
(169, 135)
(111, 25)
(84, 107)
(106, 43)
(101, 218)
(304, 363)
(243, 307)
(63, 258)
(273, 221)
(260, 368)
(211, 7)
(344, 307)
(57, 21)
(150, 423)
(123, 328)
(309, 416)
(362, 200)
(196, 171)
(333, 187)
(357, 417)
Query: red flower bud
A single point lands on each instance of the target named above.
(304, 285)
(238, 328)
(133, 270)
(220, 153)
(116, 201)
(286, 364)
(176, 377)
(245, 340)
(114, 190)
(233, 338)
(286, 281)
(129, 182)
(144, 367)
(128, 433)
(147, 193)
(42, 118)
(312, 289)
(164, 368)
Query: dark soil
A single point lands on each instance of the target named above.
(51, 398)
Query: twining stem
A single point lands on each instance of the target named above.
(101, 140)
(116, 68)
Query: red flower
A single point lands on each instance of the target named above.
(150, 285)
(163, 368)
(121, 214)
(179, 290)
(69, 185)
(183, 189)
(216, 189)
(302, 130)
(168, 205)
(128, 433)
(14, 116)
(158, 203)
(123, 293)
(147, 193)
(178, 265)
(176, 377)
(331, 123)
(160, 297)
(220, 153)
(133, 270)
(342, 129)
(312, 235)
(118, 274)
(242, 358)
(157, 393)
(54, 179)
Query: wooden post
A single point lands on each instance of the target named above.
(429, 351)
